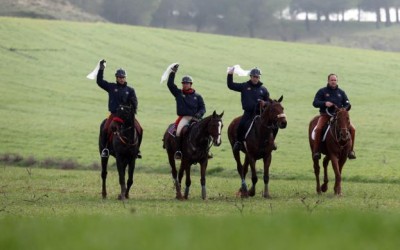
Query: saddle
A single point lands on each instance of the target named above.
(325, 131)
(172, 128)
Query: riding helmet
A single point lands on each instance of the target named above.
(120, 73)
(255, 72)
(187, 79)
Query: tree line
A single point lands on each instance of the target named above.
(234, 17)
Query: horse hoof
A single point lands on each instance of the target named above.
(126, 196)
(252, 192)
(120, 197)
(324, 188)
(267, 196)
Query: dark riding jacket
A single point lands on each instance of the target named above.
(186, 104)
(250, 93)
(117, 93)
(328, 94)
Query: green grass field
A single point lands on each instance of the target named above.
(50, 112)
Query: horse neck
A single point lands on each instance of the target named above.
(265, 123)
(128, 124)
(336, 129)
(199, 131)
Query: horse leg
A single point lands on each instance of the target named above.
(180, 177)
(104, 162)
(241, 171)
(174, 173)
(254, 178)
(188, 181)
(131, 170)
(338, 178)
(244, 193)
(316, 172)
(325, 163)
(203, 168)
(267, 163)
(121, 173)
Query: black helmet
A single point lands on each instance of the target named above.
(187, 79)
(255, 72)
(120, 73)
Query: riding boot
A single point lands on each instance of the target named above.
(352, 154)
(237, 146)
(104, 142)
(316, 144)
(178, 153)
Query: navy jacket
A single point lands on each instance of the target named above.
(186, 104)
(328, 94)
(117, 93)
(250, 93)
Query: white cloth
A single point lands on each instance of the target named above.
(92, 75)
(166, 72)
(238, 70)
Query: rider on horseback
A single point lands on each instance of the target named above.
(189, 105)
(253, 95)
(328, 97)
(118, 93)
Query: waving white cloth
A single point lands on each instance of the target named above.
(166, 72)
(238, 70)
(92, 75)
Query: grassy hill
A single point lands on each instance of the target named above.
(51, 111)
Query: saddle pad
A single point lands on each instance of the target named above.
(324, 137)
(172, 129)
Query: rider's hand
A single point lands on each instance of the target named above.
(262, 102)
(328, 104)
(102, 64)
(175, 68)
(231, 70)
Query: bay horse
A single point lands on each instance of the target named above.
(124, 146)
(336, 148)
(197, 140)
(258, 144)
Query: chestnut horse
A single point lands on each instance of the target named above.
(124, 147)
(336, 148)
(259, 144)
(196, 142)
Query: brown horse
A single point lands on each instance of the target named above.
(124, 147)
(196, 142)
(336, 148)
(259, 144)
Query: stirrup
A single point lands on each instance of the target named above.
(210, 155)
(274, 147)
(105, 153)
(139, 155)
(352, 155)
(178, 155)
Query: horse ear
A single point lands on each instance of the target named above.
(214, 113)
(222, 114)
(280, 99)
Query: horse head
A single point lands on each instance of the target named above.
(273, 112)
(342, 123)
(214, 128)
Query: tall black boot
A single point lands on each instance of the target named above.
(178, 153)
